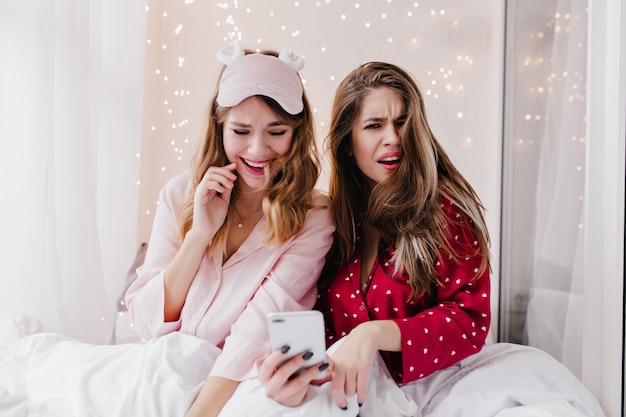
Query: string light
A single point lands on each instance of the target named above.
(176, 54)
(177, 51)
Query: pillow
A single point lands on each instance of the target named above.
(18, 327)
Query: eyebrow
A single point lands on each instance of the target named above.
(374, 119)
(377, 119)
(272, 124)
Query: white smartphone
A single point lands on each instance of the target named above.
(302, 331)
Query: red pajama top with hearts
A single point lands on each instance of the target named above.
(437, 330)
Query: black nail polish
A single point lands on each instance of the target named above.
(360, 404)
(307, 356)
(324, 366)
(344, 408)
(285, 349)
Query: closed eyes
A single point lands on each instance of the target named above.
(240, 132)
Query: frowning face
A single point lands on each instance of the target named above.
(375, 139)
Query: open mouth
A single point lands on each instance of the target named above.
(390, 160)
(258, 168)
(255, 167)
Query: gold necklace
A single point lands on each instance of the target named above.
(241, 220)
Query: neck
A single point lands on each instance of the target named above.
(248, 208)
(369, 251)
(247, 204)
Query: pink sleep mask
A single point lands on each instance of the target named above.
(258, 74)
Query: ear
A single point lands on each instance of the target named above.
(294, 61)
(230, 52)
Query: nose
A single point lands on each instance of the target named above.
(257, 144)
(391, 136)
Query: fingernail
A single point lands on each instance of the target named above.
(324, 366)
(285, 349)
(307, 356)
(360, 404)
(344, 408)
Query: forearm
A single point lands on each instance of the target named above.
(180, 274)
(385, 334)
(212, 397)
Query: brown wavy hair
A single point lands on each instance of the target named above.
(406, 208)
(287, 196)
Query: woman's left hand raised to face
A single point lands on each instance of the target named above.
(279, 383)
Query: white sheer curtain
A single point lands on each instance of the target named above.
(554, 318)
(71, 84)
(546, 187)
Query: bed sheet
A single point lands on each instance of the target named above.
(502, 380)
(50, 375)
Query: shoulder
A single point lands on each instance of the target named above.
(320, 199)
(177, 188)
(184, 180)
(455, 217)
(320, 214)
(458, 227)
(449, 208)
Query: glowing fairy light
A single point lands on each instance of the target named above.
(261, 25)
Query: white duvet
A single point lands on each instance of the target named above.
(50, 375)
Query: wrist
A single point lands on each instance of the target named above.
(198, 238)
(384, 334)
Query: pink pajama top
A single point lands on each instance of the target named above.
(227, 303)
(437, 330)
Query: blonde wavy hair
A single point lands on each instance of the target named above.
(288, 194)
(406, 208)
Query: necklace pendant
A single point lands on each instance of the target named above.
(240, 225)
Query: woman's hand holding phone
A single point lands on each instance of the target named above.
(298, 359)
(278, 376)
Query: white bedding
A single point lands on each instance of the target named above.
(49, 375)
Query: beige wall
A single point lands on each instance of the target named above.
(454, 50)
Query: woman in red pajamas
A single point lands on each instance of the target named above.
(408, 274)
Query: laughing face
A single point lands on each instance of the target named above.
(375, 140)
(255, 138)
